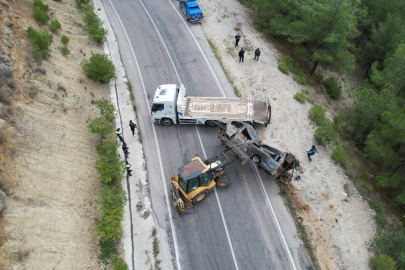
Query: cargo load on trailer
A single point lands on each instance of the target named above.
(171, 106)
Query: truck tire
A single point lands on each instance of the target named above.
(223, 182)
(256, 159)
(166, 122)
(211, 123)
(200, 197)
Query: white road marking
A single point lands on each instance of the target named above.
(220, 209)
(280, 233)
(273, 214)
(157, 146)
(199, 137)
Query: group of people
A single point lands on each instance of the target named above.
(242, 51)
(125, 148)
(313, 150)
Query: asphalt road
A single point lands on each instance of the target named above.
(245, 226)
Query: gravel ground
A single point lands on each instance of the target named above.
(347, 220)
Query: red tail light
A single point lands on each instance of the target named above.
(150, 113)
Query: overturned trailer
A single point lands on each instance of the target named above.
(244, 142)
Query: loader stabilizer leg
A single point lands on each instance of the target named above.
(179, 202)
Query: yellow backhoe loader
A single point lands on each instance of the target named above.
(196, 178)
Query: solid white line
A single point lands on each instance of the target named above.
(157, 146)
(273, 214)
(199, 137)
(280, 233)
(220, 209)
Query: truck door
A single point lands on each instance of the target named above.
(158, 109)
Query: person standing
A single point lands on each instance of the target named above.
(241, 55)
(119, 134)
(237, 38)
(257, 54)
(125, 149)
(127, 166)
(312, 152)
(132, 125)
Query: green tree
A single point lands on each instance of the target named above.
(324, 25)
(384, 39)
(382, 262)
(110, 165)
(391, 242)
(99, 68)
(393, 73)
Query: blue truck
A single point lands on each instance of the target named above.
(191, 10)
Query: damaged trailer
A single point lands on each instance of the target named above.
(244, 142)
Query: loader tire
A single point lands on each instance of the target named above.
(223, 182)
(200, 197)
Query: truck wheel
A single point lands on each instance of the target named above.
(166, 122)
(223, 182)
(256, 159)
(211, 123)
(200, 196)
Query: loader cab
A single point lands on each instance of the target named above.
(193, 174)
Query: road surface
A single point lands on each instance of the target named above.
(245, 226)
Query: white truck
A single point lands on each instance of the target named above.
(172, 106)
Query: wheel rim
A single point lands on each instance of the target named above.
(223, 184)
(256, 159)
(201, 197)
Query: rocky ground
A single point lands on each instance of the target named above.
(337, 224)
(47, 154)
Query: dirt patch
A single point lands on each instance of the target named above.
(344, 225)
(50, 211)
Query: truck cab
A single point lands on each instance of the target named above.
(163, 109)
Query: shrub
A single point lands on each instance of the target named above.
(94, 25)
(34, 92)
(64, 50)
(379, 217)
(108, 252)
(300, 79)
(317, 115)
(333, 88)
(340, 155)
(81, 2)
(306, 91)
(41, 40)
(382, 262)
(301, 97)
(40, 16)
(120, 264)
(40, 10)
(391, 242)
(283, 68)
(99, 68)
(109, 164)
(65, 39)
(55, 25)
(112, 200)
(325, 134)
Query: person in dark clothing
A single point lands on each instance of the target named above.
(257, 54)
(241, 55)
(119, 134)
(132, 125)
(312, 152)
(237, 38)
(127, 166)
(125, 149)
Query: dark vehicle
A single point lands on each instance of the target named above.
(244, 142)
(191, 10)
